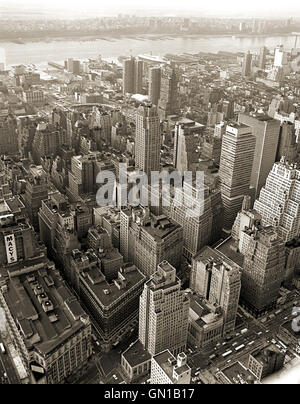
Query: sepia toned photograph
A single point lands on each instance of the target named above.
(149, 195)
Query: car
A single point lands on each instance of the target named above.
(234, 344)
(115, 377)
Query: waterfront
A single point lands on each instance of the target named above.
(60, 49)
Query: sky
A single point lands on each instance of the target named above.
(226, 8)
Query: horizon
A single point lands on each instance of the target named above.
(191, 8)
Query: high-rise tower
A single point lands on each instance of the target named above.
(164, 311)
(237, 155)
(147, 140)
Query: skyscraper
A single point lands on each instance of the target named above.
(8, 135)
(287, 146)
(205, 226)
(164, 311)
(154, 84)
(147, 140)
(266, 132)
(262, 57)
(237, 156)
(263, 270)
(146, 240)
(217, 279)
(187, 145)
(168, 104)
(36, 191)
(247, 64)
(132, 76)
(279, 200)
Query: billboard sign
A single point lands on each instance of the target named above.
(11, 249)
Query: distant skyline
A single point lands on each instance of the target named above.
(197, 8)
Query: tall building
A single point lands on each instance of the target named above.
(113, 304)
(36, 191)
(266, 132)
(50, 331)
(262, 57)
(247, 65)
(263, 271)
(132, 76)
(83, 175)
(168, 101)
(147, 140)
(8, 135)
(279, 200)
(287, 146)
(166, 369)
(187, 145)
(47, 141)
(236, 164)
(146, 240)
(164, 311)
(217, 279)
(154, 84)
(203, 227)
(280, 57)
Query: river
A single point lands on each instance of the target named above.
(58, 50)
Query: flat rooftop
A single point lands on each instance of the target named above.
(288, 326)
(228, 249)
(238, 374)
(136, 354)
(108, 293)
(46, 310)
(167, 362)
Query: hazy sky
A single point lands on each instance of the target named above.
(264, 8)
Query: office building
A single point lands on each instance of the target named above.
(237, 154)
(200, 216)
(166, 369)
(264, 362)
(133, 76)
(266, 132)
(206, 323)
(47, 141)
(187, 145)
(83, 175)
(247, 65)
(50, 331)
(35, 192)
(164, 311)
(8, 135)
(262, 58)
(168, 101)
(217, 279)
(263, 270)
(279, 203)
(154, 84)
(34, 96)
(147, 140)
(146, 240)
(287, 145)
(114, 305)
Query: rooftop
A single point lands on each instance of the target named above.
(136, 354)
(238, 374)
(229, 249)
(167, 362)
(46, 310)
(110, 293)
